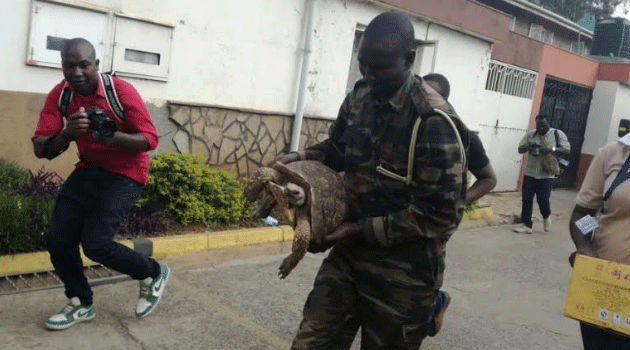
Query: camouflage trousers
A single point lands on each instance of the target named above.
(387, 291)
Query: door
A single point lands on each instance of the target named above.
(568, 106)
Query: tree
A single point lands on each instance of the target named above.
(576, 9)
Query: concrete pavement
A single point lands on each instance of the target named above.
(508, 292)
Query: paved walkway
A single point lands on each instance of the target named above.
(508, 294)
(507, 208)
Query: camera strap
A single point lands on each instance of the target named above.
(111, 96)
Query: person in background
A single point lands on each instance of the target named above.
(537, 180)
(605, 195)
(108, 179)
(485, 180)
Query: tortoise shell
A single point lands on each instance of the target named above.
(325, 191)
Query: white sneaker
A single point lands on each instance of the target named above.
(73, 313)
(151, 292)
(547, 224)
(523, 229)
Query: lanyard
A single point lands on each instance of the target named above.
(622, 176)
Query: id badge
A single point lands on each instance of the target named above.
(587, 224)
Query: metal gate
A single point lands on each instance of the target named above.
(568, 106)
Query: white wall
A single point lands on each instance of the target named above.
(603, 106)
(621, 111)
(247, 53)
(240, 53)
(501, 143)
(464, 61)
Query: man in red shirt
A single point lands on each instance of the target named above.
(108, 179)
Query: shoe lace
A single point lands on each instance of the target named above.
(144, 290)
(68, 308)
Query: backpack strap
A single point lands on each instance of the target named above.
(64, 100)
(112, 97)
(424, 110)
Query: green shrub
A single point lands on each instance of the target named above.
(193, 192)
(26, 206)
(11, 175)
(24, 223)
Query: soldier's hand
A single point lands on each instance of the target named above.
(347, 229)
(77, 124)
(286, 158)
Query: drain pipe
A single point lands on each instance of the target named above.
(306, 52)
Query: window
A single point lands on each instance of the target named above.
(423, 64)
(520, 26)
(579, 47)
(539, 33)
(129, 46)
(511, 80)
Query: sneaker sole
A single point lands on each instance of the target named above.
(55, 327)
(438, 320)
(150, 310)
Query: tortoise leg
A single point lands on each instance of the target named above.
(265, 205)
(262, 176)
(301, 241)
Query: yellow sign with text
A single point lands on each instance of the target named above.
(599, 294)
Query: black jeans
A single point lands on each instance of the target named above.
(542, 189)
(89, 209)
(595, 338)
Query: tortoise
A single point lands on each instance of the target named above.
(310, 194)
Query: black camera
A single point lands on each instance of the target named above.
(100, 123)
(535, 149)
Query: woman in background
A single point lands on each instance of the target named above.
(605, 195)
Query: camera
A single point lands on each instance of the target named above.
(100, 123)
(534, 149)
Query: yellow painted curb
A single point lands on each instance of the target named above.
(35, 262)
(162, 247)
(192, 243)
(479, 214)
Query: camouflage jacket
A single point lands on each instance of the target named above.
(367, 134)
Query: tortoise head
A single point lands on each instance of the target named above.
(295, 194)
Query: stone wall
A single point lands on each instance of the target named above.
(238, 141)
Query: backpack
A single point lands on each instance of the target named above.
(110, 95)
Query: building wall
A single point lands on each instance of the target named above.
(519, 50)
(610, 104)
(621, 111)
(614, 72)
(213, 42)
(598, 125)
(464, 61)
(242, 56)
(18, 119)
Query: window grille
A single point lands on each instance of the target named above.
(511, 80)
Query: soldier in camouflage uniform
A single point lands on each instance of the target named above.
(387, 262)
